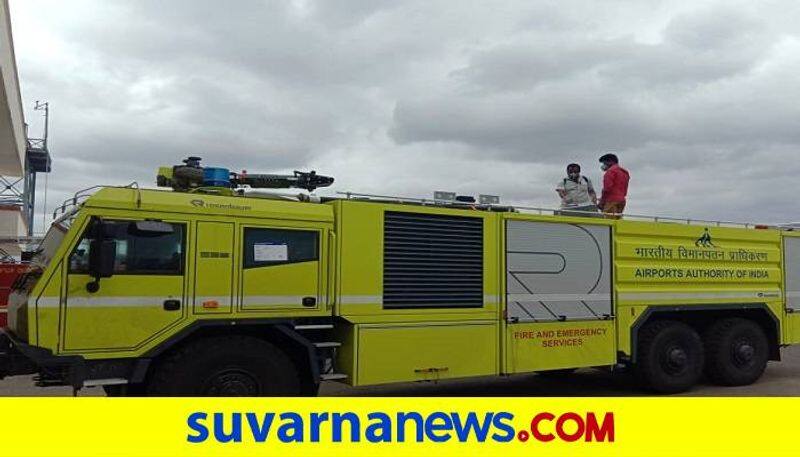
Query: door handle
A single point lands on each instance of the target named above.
(172, 305)
(309, 301)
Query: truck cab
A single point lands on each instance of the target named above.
(124, 276)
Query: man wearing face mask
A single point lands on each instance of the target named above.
(577, 193)
(615, 186)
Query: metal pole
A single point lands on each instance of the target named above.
(46, 107)
(30, 203)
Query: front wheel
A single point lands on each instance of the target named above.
(737, 351)
(670, 356)
(231, 366)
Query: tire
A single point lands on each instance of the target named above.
(231, 366)
(670, 357)
(557, 374)
(737, 351)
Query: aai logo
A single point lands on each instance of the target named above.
(705, 241)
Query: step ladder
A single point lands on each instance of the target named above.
(320, 336)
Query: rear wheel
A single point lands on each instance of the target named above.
(232, 366)
(670, 356)
(737, 351)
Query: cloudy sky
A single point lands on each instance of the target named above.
(701, 99)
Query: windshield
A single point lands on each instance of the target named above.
(42, 257)
(52, 240)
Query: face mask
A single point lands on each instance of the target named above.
(574, 176)
(604, 167)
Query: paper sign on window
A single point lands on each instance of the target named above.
(270, 252)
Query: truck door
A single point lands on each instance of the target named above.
(558, 296)
(145, 296)
(282, 268)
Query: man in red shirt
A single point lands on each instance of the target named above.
(615, 186)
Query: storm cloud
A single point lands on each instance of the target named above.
(700, 99)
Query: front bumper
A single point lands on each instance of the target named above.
(19, 358)
(13, 358)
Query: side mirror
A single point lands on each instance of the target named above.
(102, 256)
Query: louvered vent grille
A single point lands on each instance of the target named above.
(432, 261)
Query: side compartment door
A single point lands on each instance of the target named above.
(215, 273)
(145, 296)
(791, 261)
(282, 268)
(558, 296)
(557, 271)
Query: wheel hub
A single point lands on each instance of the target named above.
(744, 352)
(678, 357)
(675, 360)
(232, 383)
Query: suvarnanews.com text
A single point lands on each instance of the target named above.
(400, 427)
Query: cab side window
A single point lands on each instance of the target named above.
(268, 247)
(137, 252)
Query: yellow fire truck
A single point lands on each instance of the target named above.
(218, 288)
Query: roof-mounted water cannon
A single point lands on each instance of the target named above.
(192, 177)
(300, 179)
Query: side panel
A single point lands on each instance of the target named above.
(791, 333)
(558, 295)
(214, 268)
(126, 316)
(791, 254)
(129, 310)
(419, 287)
(363, 254)
(558, 272)
(44, 328)
(557, 345)
(283, 268)
(791, 261)
(670, 264)
(425, 352)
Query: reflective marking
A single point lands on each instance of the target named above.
(378, 299)
(48, 302)
(558, 297)
(105, 302)
(146, 302)
(248, 300)
(118, 302)
(631, 296)
(222, 300)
